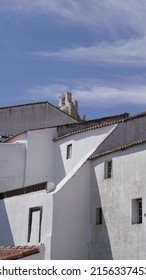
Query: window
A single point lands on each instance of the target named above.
(69, 151)
(137, 211)
(108, 169)
(98, 216)
(34, 224)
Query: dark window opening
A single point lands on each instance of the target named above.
(108, 169)
(30, 220)
(137, 211)
(69, 151)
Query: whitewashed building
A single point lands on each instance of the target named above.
(76, 191)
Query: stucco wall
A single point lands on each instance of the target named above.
(82, 144)
(14, 214)
(117, 237)
(12, 166)
(27, 159)
(18, 138)
(71, 217)
(40, 156)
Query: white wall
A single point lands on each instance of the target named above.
(46, 160)
(12, 166)
(27, 159)
(118, 238)
(18, 138)
(71, 217)
(82, 144)
(40, 156)
(14, 214)
(37, 256)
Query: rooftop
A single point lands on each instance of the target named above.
(121, 148)
(17, 252)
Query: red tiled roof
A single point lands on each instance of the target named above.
(17, 252)
(124, 147)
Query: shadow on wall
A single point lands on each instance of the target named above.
(59, 170)
(6, 237)
(100, 242)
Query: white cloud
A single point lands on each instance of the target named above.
(131, 52)
(49, 92)
(111, 96)
(114, 16)
(93, 95)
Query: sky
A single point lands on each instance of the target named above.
(95, 49)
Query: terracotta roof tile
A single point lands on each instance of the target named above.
(17, 252)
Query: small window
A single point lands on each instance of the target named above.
(137, 211)
(34, 224)
(108, 169)
(98, 216)
(69, 151)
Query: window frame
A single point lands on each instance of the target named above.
(69, 151)
(137, 211)
(31, 210)
(108, 169)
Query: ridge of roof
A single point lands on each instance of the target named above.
(124, 115)
(87, 128)
(102, 124)
(135, 116)
(121, 148)
(13, 136)
(26, 104)
(98, 120)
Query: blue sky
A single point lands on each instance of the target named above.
(95, 49)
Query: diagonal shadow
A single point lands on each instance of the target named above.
(6, 237)
(100, 242)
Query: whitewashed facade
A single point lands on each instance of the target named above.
(121, 235)
(37, 159)
(80, 195)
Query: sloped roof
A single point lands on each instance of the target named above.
(121, 148)
(74, 127)
(13, 136)
(86, 125)
(143, 114)
(101, 123)
(17, 252)
(87, 129)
